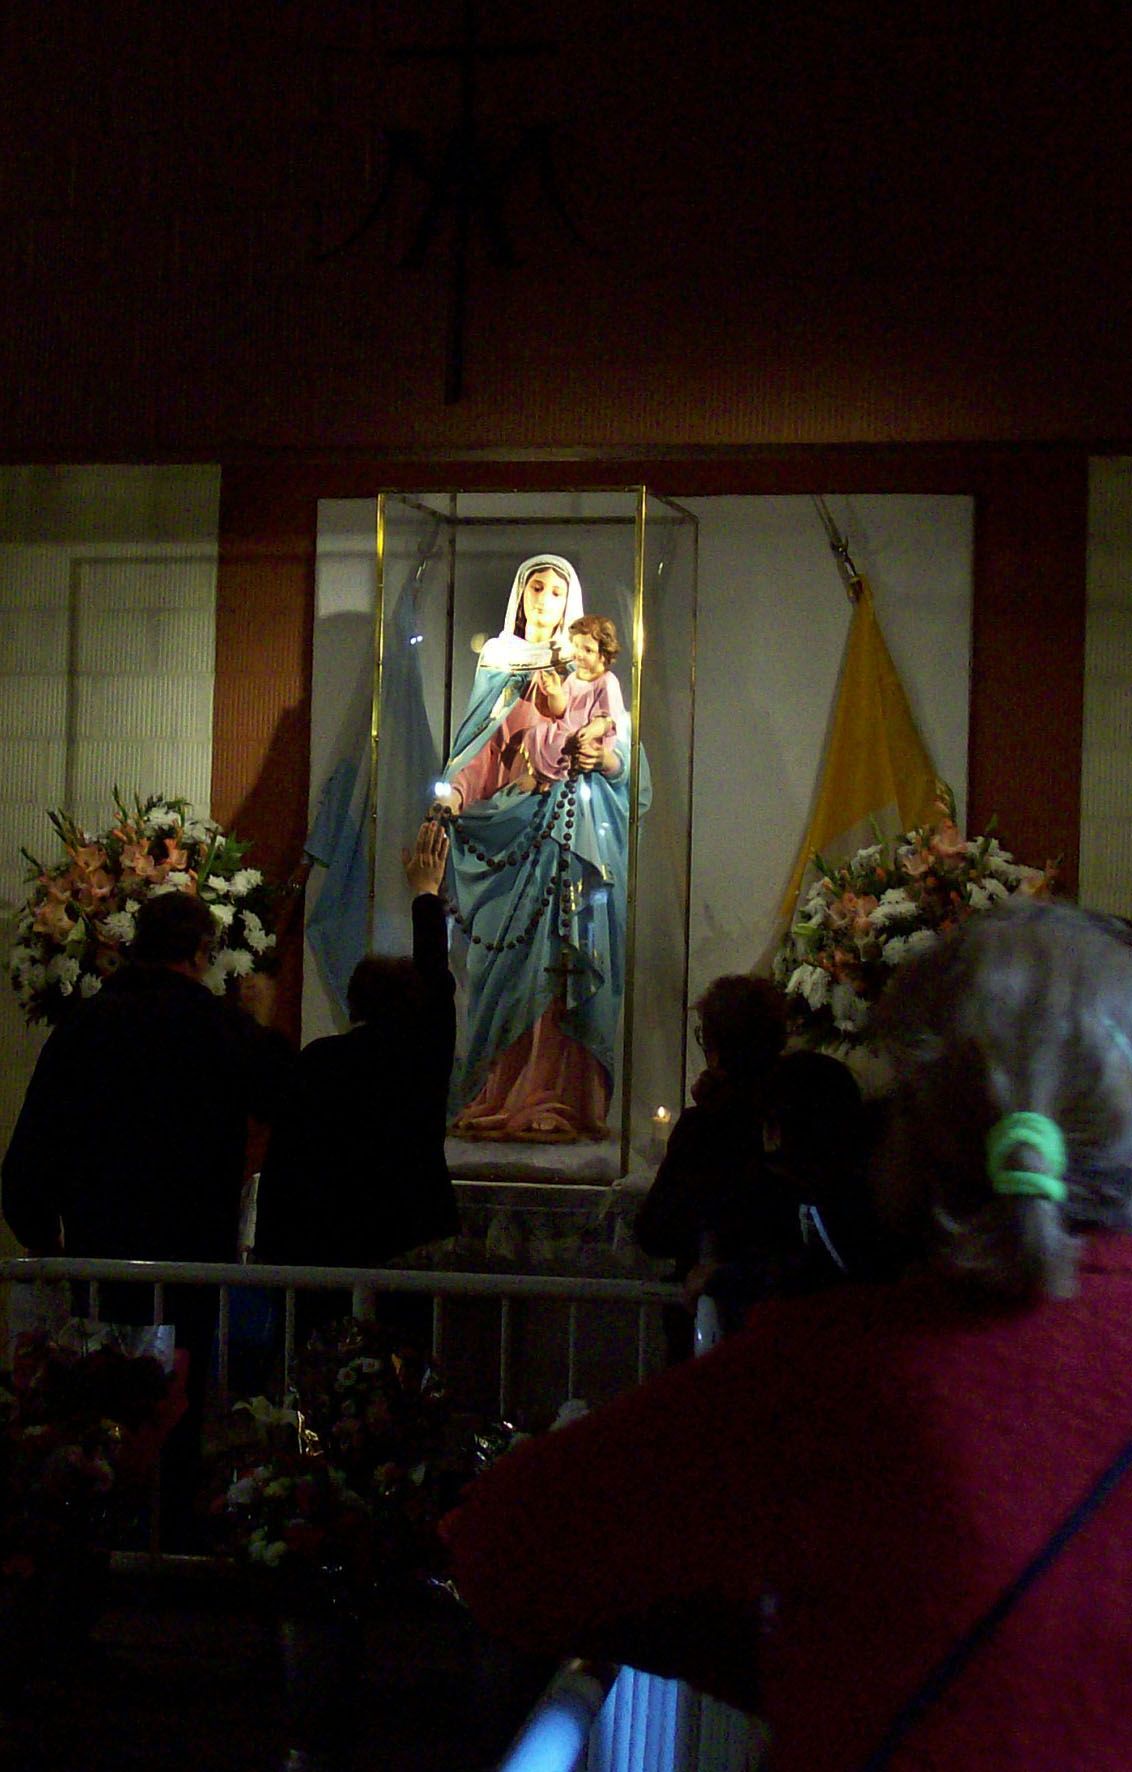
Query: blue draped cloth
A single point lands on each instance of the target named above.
(348, 921)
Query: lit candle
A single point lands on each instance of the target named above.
(661, 1122)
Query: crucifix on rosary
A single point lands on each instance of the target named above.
(468, 184)
(563, 971)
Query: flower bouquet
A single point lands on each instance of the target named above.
(78, 922)
(885, 903)
(352, 1480)
(82, 1420)
(297, 1511)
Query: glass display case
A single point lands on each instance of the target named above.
(446, 677)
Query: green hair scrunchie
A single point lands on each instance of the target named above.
(1042, 1135)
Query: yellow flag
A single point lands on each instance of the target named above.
(877, 772)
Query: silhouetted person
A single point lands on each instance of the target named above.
(712, 1198)
(132, 1138)
(356, 1172)
(817, 1137)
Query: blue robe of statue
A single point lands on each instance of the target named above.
(540, 882)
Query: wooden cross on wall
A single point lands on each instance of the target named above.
(467, 184)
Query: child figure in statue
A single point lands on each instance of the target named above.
(586, 704)
(538, 811)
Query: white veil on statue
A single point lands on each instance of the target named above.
(508, 651)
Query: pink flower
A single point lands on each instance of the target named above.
(52, 916)
(947, 842)
(89, 858)
(176, 858)
(915, 860)
(1039, 882)
(851, 913)
(137, 860)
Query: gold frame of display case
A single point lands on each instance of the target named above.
(444, 564)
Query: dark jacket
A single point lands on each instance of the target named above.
(712, 1194)
(133, 1132)
(356, 1171)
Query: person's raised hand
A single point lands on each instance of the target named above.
(424, 864)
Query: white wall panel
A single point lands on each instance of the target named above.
(110, 708)
(107, 637)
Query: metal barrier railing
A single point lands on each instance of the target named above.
(554, 1736)
(366, 1286)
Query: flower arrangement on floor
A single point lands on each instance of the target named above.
(78, 921)
(885, 903)
(82, 1420)
(351, 1482)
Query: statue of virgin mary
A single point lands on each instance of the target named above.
(538, 868)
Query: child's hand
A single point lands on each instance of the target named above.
(550, 688)
(595, 731)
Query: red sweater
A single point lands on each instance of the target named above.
(805, 1521)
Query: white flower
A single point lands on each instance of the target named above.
(261, 1550)
(89, 983)
(213, 979)
(866, 857)
(195, 831)
(990, 892)
(64, 970)
(921, 940)
(236, 960)
(162, 819)
(217, 883)
(894, 950)
(812, 983)
(850, 1011)
(244, 880)
(222, 914)
(120, 924)
(180, 879)
(1000, 867)
(891, 907)
(255, 934)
